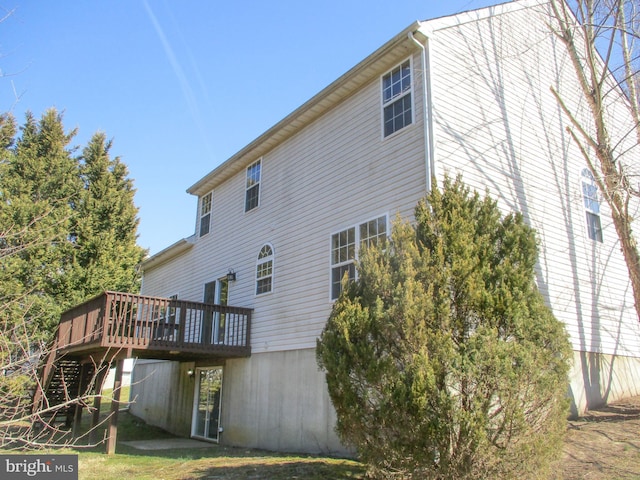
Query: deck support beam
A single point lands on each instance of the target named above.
(101, 374)
(115, 407)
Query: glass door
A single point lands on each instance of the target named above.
(213, 325)
(206, 405)
(220, 318)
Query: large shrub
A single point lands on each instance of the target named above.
(442, 359)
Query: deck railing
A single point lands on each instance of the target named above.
(136, 322)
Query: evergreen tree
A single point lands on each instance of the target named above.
(105, 228)
(67, 232)
(40, 186)
(68, 224)
(441, 359)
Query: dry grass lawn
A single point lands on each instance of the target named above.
(602, 445)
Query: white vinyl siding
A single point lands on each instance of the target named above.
(348, 175)
(508, 136)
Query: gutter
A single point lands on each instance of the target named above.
(168, 253)
(426, 110)
(308, 112)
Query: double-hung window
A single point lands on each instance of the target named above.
(397, 111)
(345, 246)
(206, 203)
(252, 192)
(591, 205)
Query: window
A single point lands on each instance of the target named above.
(205, 213)
(396, 98)
(344, 249)
(264, 270)
(591, 205)
(374, 232)
(252, 194)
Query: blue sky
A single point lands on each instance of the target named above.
(180, 86)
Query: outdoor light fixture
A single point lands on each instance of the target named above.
(190, 372)
(231, 275)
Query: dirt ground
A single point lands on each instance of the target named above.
(604, 444)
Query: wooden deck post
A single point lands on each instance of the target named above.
(115, 406)
(101, 374)
(77, 409)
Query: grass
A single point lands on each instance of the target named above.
(600, 446)
(213, 462)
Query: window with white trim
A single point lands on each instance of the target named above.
(206, 203)
(345, 246)
(252, 193)
(591, 205)
(264, 270)
(397, 111)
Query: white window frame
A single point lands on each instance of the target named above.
(344, 254)
(202, 214)
(389, 98)
(591, 203)
(265, 269)
(253, 182)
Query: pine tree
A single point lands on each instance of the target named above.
(67, 232)
(441, 359)
(105, 227)
(40, 186)
(68, 223)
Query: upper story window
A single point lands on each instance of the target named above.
(345, 246)
(396, 98)
(264, 270)
(591, 205)
(252, 194)
(205, 213)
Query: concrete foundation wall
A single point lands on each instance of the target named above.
(275, 401)
(162, 395)
(279, 401)
(597, 379)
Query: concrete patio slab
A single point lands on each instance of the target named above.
(168, 444)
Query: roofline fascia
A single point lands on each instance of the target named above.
(168, 253)
(303, 115)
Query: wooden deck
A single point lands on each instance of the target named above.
(152, 327)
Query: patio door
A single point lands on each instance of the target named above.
(215, 292)
(206, 405)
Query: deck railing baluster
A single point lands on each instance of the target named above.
(143, 323)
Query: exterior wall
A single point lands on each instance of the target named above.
(337, 172)
(598, 378)
(497, 123)
(494, 121)
(162, 395)
(274, 401)
(279, 401)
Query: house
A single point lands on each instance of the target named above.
(279, 223)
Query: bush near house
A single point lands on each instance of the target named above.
(442, 359)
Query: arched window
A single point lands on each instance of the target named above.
(264, 270)
(591, 205)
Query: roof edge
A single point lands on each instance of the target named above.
(168, 253)
(284, 126)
